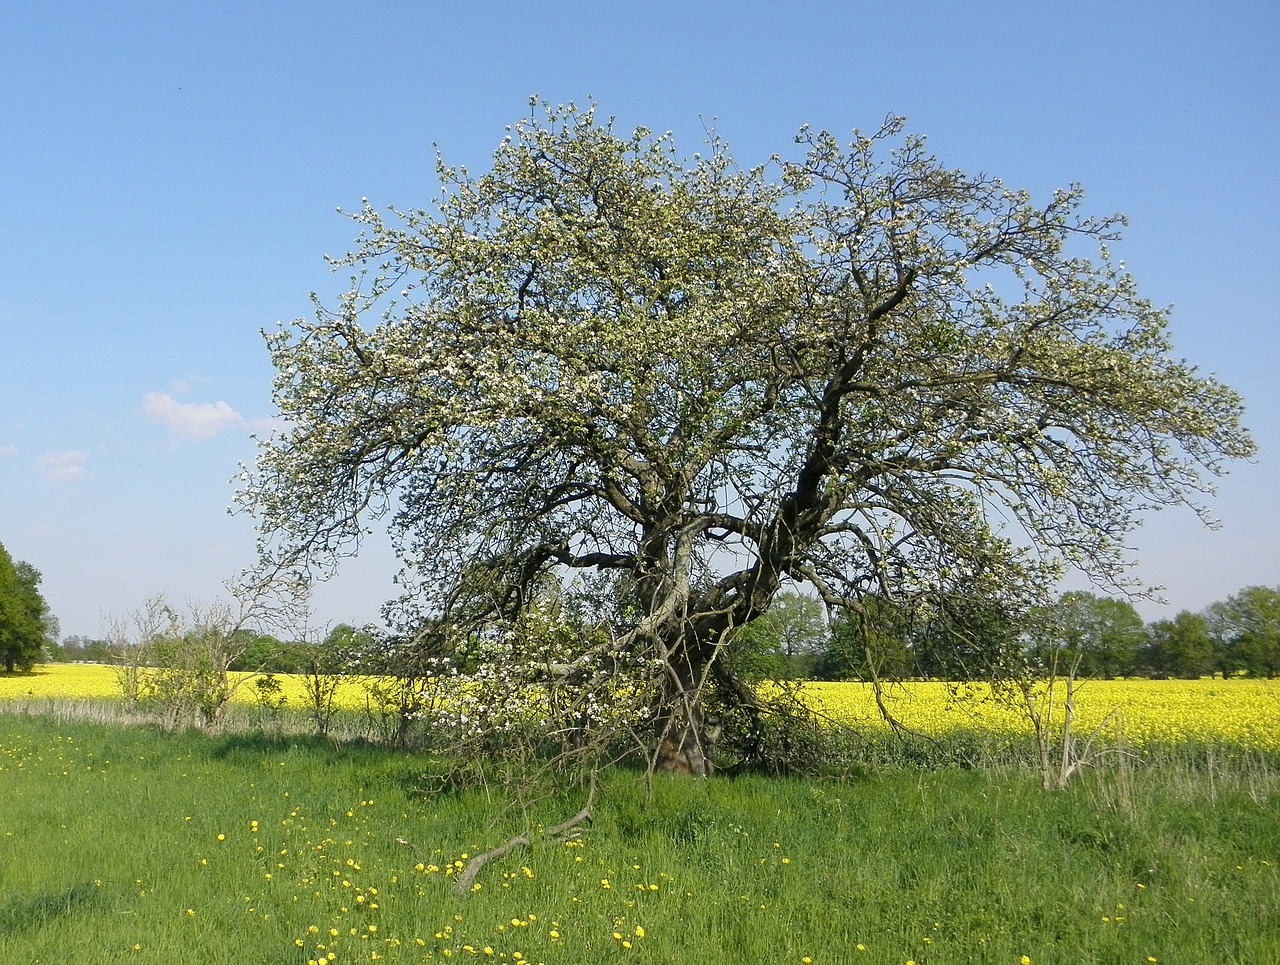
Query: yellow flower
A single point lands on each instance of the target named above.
(1025, 960)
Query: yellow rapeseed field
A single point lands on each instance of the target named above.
(1241, 712)
(96, 681)
(1236, 711)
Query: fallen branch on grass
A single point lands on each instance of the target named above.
(556, 834)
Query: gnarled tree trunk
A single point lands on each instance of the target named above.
(683, 745)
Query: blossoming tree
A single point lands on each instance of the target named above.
(858, 371)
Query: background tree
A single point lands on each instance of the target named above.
(969, 635)
(178, 663)
(787, 640)
(1247, 625)
(80, 648)
(1097, 636)
(869, 644)
(1181, 647)
(714, 381)
(26, 624)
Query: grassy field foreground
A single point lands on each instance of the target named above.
(129, 845)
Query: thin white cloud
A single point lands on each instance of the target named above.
(184, 385)
(63, 467)
(8, 451)
(189, 420)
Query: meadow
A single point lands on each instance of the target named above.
(130, 844)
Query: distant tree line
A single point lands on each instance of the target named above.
(1101, 636)
(250, 652)
(1096, 635)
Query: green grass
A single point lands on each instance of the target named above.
(109, 852)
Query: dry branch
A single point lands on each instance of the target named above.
(556, 834)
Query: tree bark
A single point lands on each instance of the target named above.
(682, 744)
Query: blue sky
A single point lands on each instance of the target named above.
(169, 175)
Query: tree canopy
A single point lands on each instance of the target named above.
(25, 621)
(856, 371)
(1248, 625)
(1093, 636)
